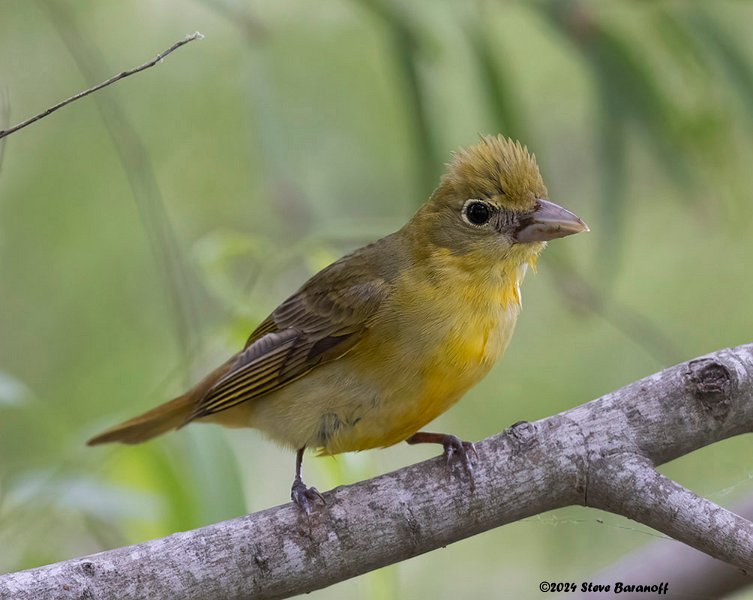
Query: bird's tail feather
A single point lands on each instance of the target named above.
(166, 417)
(157, 421)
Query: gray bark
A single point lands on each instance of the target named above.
(601, 454)
(691, 573)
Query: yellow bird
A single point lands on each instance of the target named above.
(381, 342)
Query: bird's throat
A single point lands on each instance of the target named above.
(476, 282)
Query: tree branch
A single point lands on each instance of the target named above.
(157, 59)
(692, 574)
(601, 454)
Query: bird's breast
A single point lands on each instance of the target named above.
(459, 321)
(462, 356)
(435, 343)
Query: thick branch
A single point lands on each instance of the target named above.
(599, 454)
(122, 75)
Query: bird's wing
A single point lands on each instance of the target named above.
(319, 323)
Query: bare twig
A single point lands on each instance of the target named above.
(4, 119)
(179, 279)
(157, 59)
(602, 454)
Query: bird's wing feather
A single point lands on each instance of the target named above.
(317, 324)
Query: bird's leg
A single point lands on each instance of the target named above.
(301, 495)
(453, 447)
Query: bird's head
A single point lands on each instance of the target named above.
(492, 203)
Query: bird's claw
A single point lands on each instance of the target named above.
(455, 447)
(304, 497)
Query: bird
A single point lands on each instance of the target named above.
(378, 344)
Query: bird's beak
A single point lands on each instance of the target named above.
(548, 221)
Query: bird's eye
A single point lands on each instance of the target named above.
(477, 212)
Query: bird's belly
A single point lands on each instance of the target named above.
(385, 389)
(430, 385)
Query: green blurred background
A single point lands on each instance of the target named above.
(145, 230)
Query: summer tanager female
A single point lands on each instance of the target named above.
(381, 342)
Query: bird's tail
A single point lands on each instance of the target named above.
(157, 421)
(166, 417)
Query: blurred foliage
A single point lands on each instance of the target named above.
(145, 231)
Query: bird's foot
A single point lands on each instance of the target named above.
(304, 497)
(456, 450)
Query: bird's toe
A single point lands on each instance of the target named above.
(304, 497)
